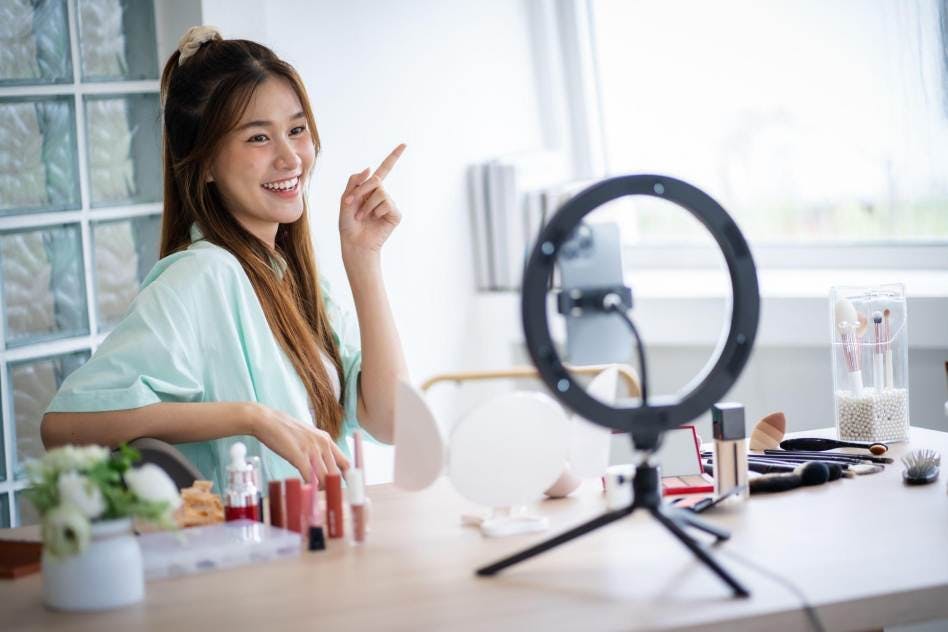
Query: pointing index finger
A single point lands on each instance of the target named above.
(389, 162)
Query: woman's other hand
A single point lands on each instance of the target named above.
(308, 449)
(367, 215)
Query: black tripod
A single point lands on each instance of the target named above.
(647, 496)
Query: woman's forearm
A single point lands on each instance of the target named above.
(310, 450)
(171, 422)
(383, 362)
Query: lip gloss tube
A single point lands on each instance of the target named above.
(334, 520)
(356, 488)
(294, 504)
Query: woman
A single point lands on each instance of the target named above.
(233, 334)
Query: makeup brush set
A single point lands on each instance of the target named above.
(790, 463)
(870, 362)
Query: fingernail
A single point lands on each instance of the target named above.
(348, 200)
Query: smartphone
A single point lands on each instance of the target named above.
(592, 258)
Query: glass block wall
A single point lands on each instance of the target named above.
(80, 199)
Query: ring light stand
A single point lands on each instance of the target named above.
(646, 422)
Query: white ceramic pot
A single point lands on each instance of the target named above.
(107, 574)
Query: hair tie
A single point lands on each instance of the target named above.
(194, 38)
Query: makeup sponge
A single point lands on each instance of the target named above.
(768, 433)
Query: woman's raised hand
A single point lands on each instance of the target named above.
(306, 448)
(367, 215)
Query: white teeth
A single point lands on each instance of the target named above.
(283, 185)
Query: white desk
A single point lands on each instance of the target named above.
(867, 552)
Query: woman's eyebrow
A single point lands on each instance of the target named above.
(262, 123)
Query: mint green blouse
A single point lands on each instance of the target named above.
(196, 332)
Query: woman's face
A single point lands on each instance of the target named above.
(261, 165)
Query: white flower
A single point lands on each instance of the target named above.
(150, 482)
(64, 459)
(80, 492)
(65, 531)
(69, 457)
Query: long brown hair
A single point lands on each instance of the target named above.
(202, 100)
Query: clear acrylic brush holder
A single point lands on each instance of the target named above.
(870, 362)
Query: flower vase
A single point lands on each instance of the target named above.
(107, 574)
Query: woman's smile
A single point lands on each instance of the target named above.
(287, 188)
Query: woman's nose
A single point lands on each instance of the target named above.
(287, 158)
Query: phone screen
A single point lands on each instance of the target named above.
(591, 258)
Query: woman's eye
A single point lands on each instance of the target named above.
(296, 131)
(258, 138)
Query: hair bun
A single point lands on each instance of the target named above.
(194, 38)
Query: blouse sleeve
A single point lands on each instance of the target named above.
(151, 356)
(345, 329)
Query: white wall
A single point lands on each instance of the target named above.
(456, 81)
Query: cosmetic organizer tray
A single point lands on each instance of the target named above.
(198, 549)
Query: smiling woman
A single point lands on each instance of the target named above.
(234, 333)
(259, 166)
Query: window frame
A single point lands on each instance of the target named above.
(85, 216)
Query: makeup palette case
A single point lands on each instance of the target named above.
(173, 553)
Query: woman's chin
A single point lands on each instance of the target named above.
(285, 214)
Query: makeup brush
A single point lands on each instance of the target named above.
(878, 376)
(810, 456)
(769, 431)
(754, 465)
(768, 463)
(847, 324)
(847, 470)
(887, 351)
(836, 470)
(803, 475)
(863, 324)
(835, 456)
(819, 444)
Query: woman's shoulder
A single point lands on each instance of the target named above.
(201, 267)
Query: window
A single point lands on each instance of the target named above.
(811, 122)
(80, 199)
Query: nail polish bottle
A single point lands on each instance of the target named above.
(240, 497)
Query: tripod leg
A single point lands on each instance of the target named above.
(692, 520)
(555, 541)
(699, 552)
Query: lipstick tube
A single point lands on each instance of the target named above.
(275, 498)
(334, 519)
(293, 491)
(356, 488)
